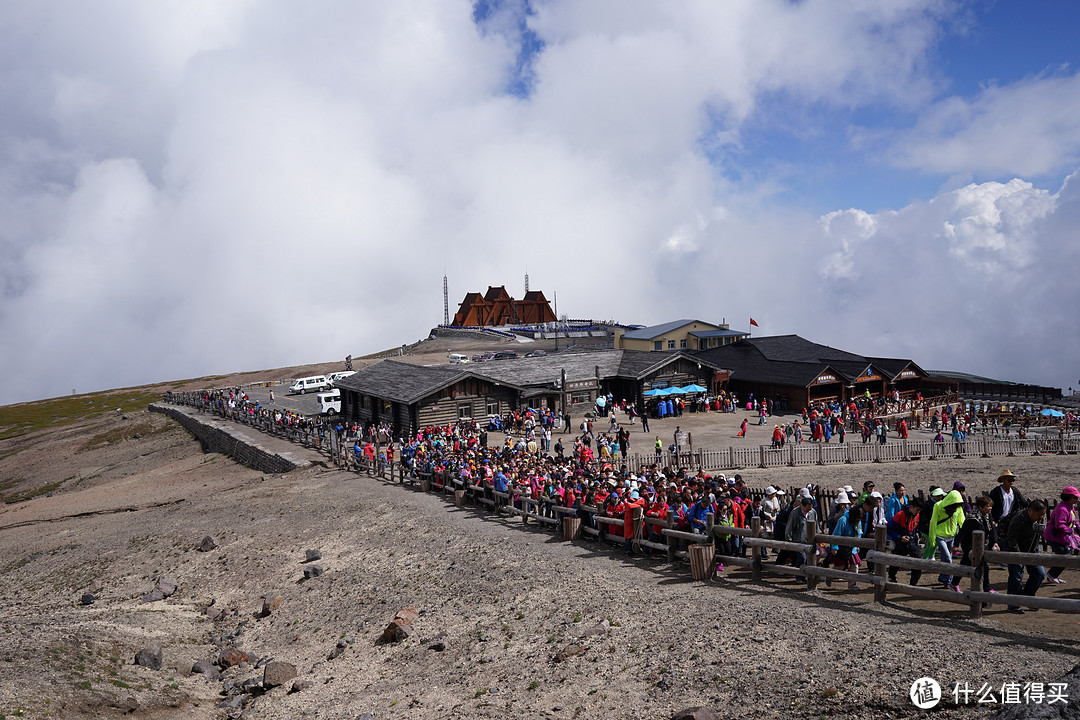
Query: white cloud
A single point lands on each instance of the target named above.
(197, 188)
(1028, 128)
(980, 279)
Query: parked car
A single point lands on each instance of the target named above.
(313, 383)
(333, 377)
(329, 402)
(536, 353)
(483, 357)
(506, 355)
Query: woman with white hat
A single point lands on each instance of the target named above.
(840, 508)
(770, 508)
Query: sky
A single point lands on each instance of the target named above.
(201, 187)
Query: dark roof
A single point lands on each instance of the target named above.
(748, 364)
(797, 349)
(547, 370)
(408, 383)
(402, 382)
(792, 360)
(654, 331)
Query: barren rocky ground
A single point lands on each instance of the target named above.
(497, 602)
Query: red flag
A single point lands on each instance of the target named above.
(754, 323)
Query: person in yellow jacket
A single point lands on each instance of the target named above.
(945, 523)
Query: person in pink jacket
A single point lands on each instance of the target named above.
(1061, 529)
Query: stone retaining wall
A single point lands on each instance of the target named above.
(218, 437)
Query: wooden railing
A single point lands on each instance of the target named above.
(572, 524)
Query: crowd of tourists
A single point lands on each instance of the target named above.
(588, 473)
(943, 526)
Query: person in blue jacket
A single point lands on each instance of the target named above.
(897, 501)
(697, 513)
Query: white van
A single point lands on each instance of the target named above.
(333, 377)
(308, 384)
(457, 358)
(329, 402)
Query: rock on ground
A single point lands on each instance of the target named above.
(149, 657)
(278, 673)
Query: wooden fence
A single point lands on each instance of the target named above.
(573, 524)
(820, 453)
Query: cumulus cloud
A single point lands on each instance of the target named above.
(196, 188)
(1029, 128)
(980, 279)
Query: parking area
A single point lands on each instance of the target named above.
(306, 404)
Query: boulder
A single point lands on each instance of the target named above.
(270, 603)
(601, 628)
(167, 586)
(208, 543)
(301, 685)
(569, 651)
(149, 657)
(252, 686)
(312, 555)
(213, 612)
(205, 667)
(87, 599)
(96, 586)
(695, 713)
(278, 673)
(231, 657)
(438, 646)
(153, 596)
(397, 630)
(313, 571)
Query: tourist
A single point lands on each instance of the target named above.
(796, 527)
(839, 509)
(979, 520)
(1023, 537)
(1061, 530)
(770, 508)
(1007, 499)
(903, 538)
(945, 521)
(897, 501)
(634, 502)
(846, 557)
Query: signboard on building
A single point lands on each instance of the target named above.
(825, 379)
(869, 375)
(575, 385)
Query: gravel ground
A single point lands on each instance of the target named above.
(502, 598)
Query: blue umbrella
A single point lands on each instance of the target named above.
(695, 388)
(651, 393)
(1051, 412)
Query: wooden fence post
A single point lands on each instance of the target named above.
(671, 542)
(812, 556)
(880, 568)
(755, 552)
(761, 463)
(791, 455)
(978, 544)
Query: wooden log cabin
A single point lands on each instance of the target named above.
(413, 396)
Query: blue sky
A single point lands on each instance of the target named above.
(892, 177)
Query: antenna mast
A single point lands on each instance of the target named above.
(445, 302)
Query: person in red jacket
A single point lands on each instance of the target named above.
(657, 508)
(632, 503)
